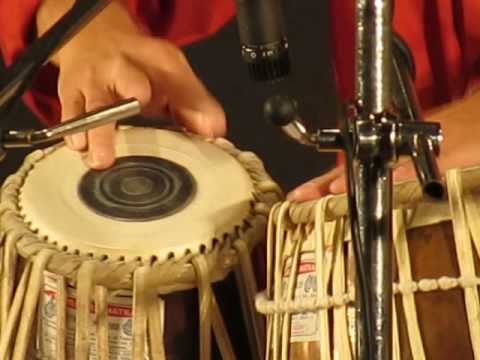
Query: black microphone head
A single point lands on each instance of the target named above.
(267, 62)
(261, 27)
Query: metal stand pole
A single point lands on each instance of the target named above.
(376, 132)
(375, 156)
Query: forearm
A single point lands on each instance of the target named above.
(466, 107)
(113, 23)
(458, 119)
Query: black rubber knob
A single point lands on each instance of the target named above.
(280, 110)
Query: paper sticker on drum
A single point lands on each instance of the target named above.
(120, 330)
(305, 326)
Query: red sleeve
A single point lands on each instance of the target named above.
(180, 21)
(469, 30)
(444, 37)
(17, 19)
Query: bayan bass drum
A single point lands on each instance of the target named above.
(309, 300)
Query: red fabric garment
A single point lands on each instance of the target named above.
(180, 21)
(444, 36)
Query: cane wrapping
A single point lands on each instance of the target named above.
(291, 225)
(98, 277)
(101, 322)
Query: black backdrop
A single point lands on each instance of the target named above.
(217, 61)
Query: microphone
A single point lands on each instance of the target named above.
(264, 45)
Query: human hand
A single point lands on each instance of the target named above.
(460, 148)
(111, 59)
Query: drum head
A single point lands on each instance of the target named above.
(167, 194)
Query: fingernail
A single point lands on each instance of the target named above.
(98, 160)
(399, 173)
(206, 124)
(68, 141)
(292, 195)
(92, 161)
(336, 185)
(300, 192)
(199, 122)
(78, 141)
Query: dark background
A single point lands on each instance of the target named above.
(217, 61)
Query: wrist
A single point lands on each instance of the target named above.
(109, 28)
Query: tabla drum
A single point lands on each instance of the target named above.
(109, 264)
(309, 298)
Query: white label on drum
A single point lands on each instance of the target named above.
(119, 324)
(305, 326)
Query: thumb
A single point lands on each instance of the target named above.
(404, 171)
(317, 187)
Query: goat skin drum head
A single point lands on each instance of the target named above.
(168, 193)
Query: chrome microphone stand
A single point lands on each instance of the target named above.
(381, 124)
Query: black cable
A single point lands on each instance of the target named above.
(20, 73)
(362, 278)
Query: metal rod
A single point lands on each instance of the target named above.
(373, 55)
(102, 116)
(422, 148)
(374, 202)
(363, 310)
(373, 174)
